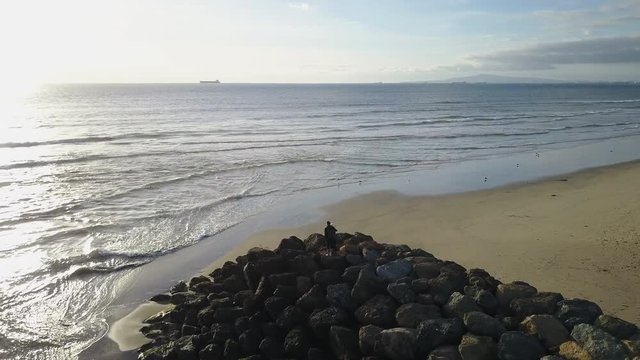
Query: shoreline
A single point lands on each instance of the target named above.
(575, 241)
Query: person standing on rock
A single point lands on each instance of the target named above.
(330, 237)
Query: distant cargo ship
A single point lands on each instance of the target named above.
(210, 82)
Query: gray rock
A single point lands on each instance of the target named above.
(449, 352)
(396, 344)
(474, 347)
(353, 259)
(179, 287)
(292, 243)
(322, 320)
(315, 243)
(412, 314)
(438, 332)
(479, 323)
(445, 284)
(420, 286)
(615, 326)
(366, 338)
(516, 345)
(344, 343)
(350, 274)
(370, 255)
(313, 299)
(577, 311)
(340, 295)
(367, 285)
(401, 292)
(380, 310)
(394, 270)
(547, 329)
(427, 270)
(297, 342)
(505, 293)
(539, 304)
(459, 304)
(598, 343)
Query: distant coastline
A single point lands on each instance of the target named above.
(209, 81)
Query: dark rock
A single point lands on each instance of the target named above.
(181, 297)
(271, 329)
(484, 298)
(231, 350)
(211, 352)
(516, 345)
(632, 347)
(367, 285)
(303, 265)
(185, 350)
(206, 287)
(420, 286)
(396, 344)
(274, 305)
(303, 284)
(198, 279)
(394, 270)
(334, 262)
(353, 259)
(292, 243)
(379, 310)
(189, 330)
(221, 332)
(474, 347)
(249, 342)
(271, 265)
(425, 299)
(161, 298)
(445, 284)
(401, 292)
(445, 353)
(615, 326)
(340, 295)
(598, 343)
(318, 354)
(322, 320)
(366, 338)
(534, 305)
(350, 274)
(264, 288)
(577, 311)
(241, 296)
(552, 357)
(315, 243)
(288, 292)
(344, 343)
(272, 348)
(327, 277)
(438, 332)
(427, 270)
(228, 314)
(412, 314)
(505, 293)
(479, 323)
(370, 255)
(179, 287)
(459, 304)
(547, 329)
(256, 254)
(241, 324)
(286, 279)
(297, 342)
(313, 299)
(291, 317)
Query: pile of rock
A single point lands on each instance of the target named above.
(374, 301)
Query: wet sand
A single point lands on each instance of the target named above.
(577, 234)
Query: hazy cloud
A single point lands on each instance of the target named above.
(547, 56)
(303, 6)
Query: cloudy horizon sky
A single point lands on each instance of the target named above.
(317, 41)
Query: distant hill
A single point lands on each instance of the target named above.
(497, 79)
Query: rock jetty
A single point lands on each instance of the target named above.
(374, 301)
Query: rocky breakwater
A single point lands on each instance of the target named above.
(374, 301)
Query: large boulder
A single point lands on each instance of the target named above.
(394, 270)
(396, 344)
(412, 314)
(322, 320)
(615, 326)
(516, 345)
(571, 350)
(291, 243)
(313, 299)
(474, 347)
(340, 295)
(577, 311)
(315, 243)
(479, 323)
(380, 310)
(598, 343)
(437, 332)
(459, 304)
(547, 329)
(449, 352)
(366, 338)
(505, 293)
(344, 343)
(539, 304)
(402, 292)
(298, 342)
(367, 285)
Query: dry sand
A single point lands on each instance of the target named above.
(576, 234)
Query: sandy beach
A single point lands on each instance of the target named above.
(576, 234)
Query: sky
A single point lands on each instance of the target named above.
(323, 41)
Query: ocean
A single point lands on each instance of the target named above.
(97, 181)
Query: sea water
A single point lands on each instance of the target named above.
(96, 181)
